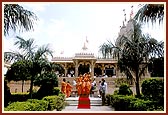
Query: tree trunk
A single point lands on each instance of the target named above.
(31, 87)
(137, 85)
(22, 85)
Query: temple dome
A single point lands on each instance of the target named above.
(85, 52)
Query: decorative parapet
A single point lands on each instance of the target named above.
(61, 59)
(90, 55)
(106, 60)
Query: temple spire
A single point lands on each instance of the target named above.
(84, 46)
(131, 14)
(125, 19)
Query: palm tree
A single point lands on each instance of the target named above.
(150, 12)
(107, 49)
(36, 58)
(134, 52)
(16, 17)
(110, 50)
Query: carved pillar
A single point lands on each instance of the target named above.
(76, 68)
(92, 68)
(65, 67)
(114, 71)
(103, 68)
(117, 72)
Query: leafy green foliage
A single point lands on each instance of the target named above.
(46, 78)
(39, 105)
(150, 12)
(120, 81)
(19, 97)
(124, 89)
(153, 89)
(16, 17)
(52, 102)
(121, 102)
(55, 102)
(19, 71)
(108, 99)
(60, 102)
(140, 105)
(30, 105)
(133, 51)
(116, 92)
(7, 94)
(47, 81)
(157, 67)
(131, 103)
(56, 91)
(36, 58)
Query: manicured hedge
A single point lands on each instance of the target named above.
(19, 97)
(124, 89)
(140, 105)
(131, 103)
(60, 102)
(56, 91)
(153, 89)
(48, 103)
(121, 102)
(51, 102)
(29, 105)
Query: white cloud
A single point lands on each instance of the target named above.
(36, 6)
(99, 23)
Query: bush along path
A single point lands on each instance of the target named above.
(48, 103)
(151, 99)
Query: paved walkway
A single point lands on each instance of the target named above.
(93, 108)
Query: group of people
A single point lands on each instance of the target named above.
(66, 88)
(84, 86)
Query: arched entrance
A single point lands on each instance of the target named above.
(110, 71)
(71, 71)
(98, 72)
(83, 69)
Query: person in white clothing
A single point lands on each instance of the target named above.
(103, 80)
(103, 92)
(99, 87)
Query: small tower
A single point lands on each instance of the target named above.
(84, 46)
(125, 19)
(131, 14)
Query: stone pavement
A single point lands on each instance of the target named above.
(93, 109)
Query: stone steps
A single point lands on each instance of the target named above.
(73, 101)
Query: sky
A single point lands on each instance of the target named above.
(65, 26)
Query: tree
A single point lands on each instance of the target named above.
(150, 12)
(16, 17)
(134, 53)
(46, 81)
(107, 50)
(7, 94)
(19, 71)
(36, 57)
(156, 68)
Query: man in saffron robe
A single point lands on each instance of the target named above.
(79, 85)
(87, 85)
(68, 89)
(83, 87)
(63, 86)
